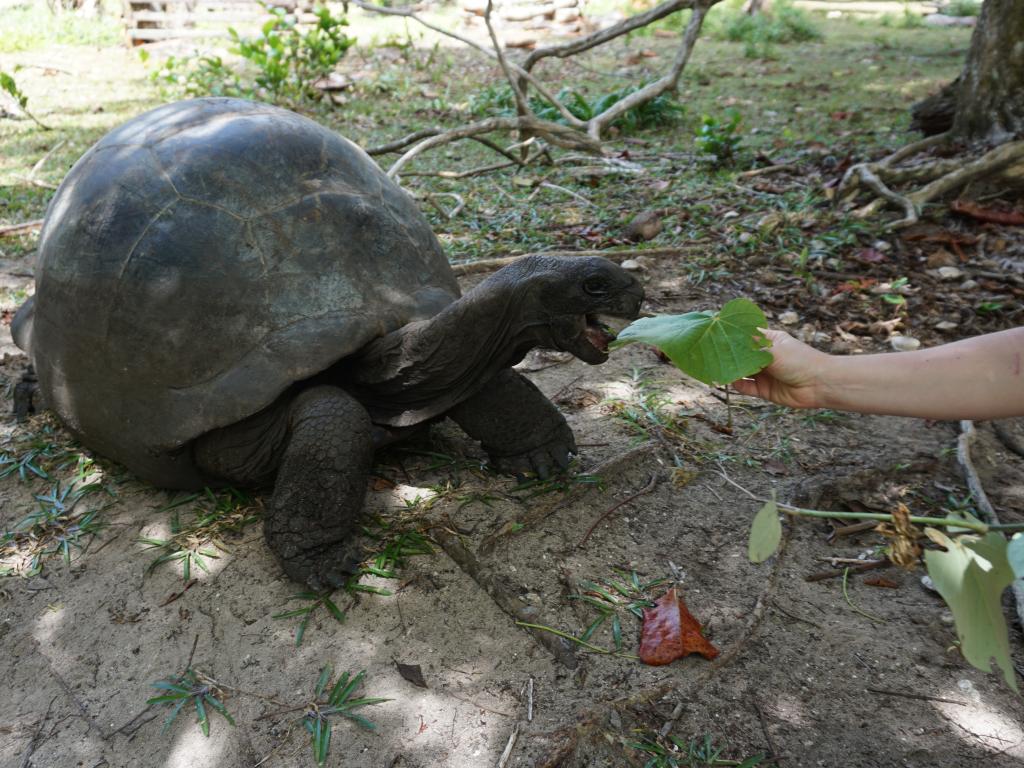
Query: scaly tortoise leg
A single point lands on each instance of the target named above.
(521, 430)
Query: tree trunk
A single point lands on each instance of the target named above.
(990, 98)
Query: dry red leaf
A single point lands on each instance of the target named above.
(670, 632)
(981, 213)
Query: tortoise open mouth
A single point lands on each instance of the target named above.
(594, 334)
(598, 333)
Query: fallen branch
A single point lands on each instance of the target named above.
(651, 485)
(505, 596)
(487, 265)
(8, 230)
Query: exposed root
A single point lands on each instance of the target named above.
(940, 176)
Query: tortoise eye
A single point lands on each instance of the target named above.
(595, 287)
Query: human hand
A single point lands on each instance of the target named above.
(794, 378)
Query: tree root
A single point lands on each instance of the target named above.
(940, 176)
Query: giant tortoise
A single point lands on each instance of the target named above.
(230, 293)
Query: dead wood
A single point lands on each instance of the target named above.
(504, 595)
(488, 265)
(20, 229)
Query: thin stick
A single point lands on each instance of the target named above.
(34, 741)
(918, 696)
(768, 169)
(849, 602)
(868, 565)
(503, 760)
(20, 229)
(773, 752)
(642, 492)
(529, 700)
(487, 265)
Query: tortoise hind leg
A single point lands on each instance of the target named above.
(321, 447)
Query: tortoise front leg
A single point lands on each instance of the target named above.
(319, 446)
(320, 488)
(521, 430)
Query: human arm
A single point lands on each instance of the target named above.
(977, 378)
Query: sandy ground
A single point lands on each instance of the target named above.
(802, 673)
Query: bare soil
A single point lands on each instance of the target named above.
(811, 672)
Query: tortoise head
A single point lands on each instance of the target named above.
(560, 302)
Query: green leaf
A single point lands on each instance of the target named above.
(1015, 555)
(712, 347)
(971, 576)
(204, 721)
(336, 612)
(321, 682)
(765, 532)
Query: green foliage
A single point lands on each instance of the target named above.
(284, 61)
(316, 600)
(678, 753)
(339, 702)
(287, 59)
(971, 575)
(962, 8)
(10, 85)
(712, 347)
(31, 26)
(195, 76)
(193, 687)
(55, 528)
(662, 110)
(214, 515)
(612, 596)
(759, 32)
(719, 138)
(765, 532)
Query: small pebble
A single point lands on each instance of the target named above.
(904, 343)
(950, 273)
(789, 317)
(946, 325)
(632, 265)
(947, 618)
(968, 285)
(745, 237)
(881, 245)
(927, 583)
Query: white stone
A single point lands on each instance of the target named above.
(632, 265)
(789, 318)
(950, 273)
(904, 343)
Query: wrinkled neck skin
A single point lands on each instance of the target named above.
(424, 368)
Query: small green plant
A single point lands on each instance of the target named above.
(36, 457)
(677, 753)
(316, 600)
(719, 138)
(8, 83)
(55, 528)
(288, 60)
(612, 596)
(759, 32)
(339, 701)
(215, 515)
(962, 8)
(199, 76)
(285, 59)
(190, 687)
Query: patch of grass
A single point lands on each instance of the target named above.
(610, 597)
(38, 455)
(962, 8)
(214, 515)
(781, 25)
(315, 600)
(339, 701)
(695, 753)
(33, 26)
(195, 688)
(54, 529)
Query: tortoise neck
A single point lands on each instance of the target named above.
(422, 369)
